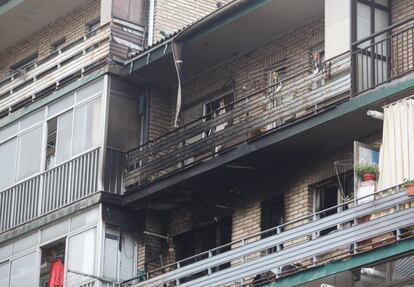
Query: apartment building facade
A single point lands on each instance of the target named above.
(205, 143)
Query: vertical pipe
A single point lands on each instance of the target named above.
(151, 22)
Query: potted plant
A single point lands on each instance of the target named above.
(409, 186)
(367, 172)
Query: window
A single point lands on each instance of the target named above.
(23, 271)
(4, 273)
(370, 17)
(318, 58)
(371, 63)
(53, 253)
(219, 106)
(32, 144)
(8, 155)
(215, 108)
(203, 239)
(329, 194)
(86, 130)
(271, 216)
(51, 143)
(29, 152)
(25, 63)
(81, 255)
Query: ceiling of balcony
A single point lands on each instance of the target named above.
(20, 18)
(231, 32)
(238, 35)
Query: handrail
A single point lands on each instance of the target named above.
(314, 217)
(41, 61)
(236, 101)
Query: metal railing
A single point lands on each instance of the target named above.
(50, 190)
(55, 70)
(116, 39)
(302, 95)
(383, 56)
(355, 230)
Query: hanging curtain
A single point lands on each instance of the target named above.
(397, 150)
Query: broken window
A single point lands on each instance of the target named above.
(271, 216)
(203, 239)
(219, 106)
(330, 193)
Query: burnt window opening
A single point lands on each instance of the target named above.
(318, 59)
(203, 239)
(271, 216)
(330, 193)
(219, 106)
(275, 82)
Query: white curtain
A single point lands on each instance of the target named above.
(397, 150)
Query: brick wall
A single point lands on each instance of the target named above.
(71, 27)
(161, 111)
(294, 45)
(401, 9)
(402, 43)
(151, 247)
(170, 16)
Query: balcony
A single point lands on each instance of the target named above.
(271, 109)
(302, 95)
(18, 14)
(358, 228)
(115, 40)
(50, 190)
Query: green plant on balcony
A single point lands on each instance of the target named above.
(409, 186)
(367, 172)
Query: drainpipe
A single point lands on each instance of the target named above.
(177, 51)
(151, 22)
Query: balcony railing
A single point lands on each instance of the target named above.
(383, 56)
(50, 190)
(357, 229)
(115, 39)
(55, 70)
(302, 95)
